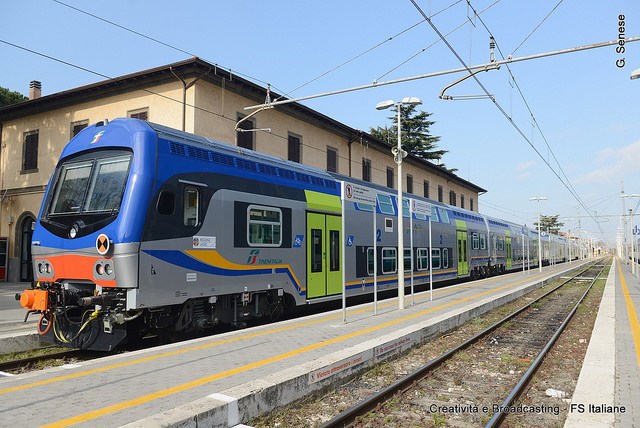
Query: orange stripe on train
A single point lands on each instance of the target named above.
(75, 267)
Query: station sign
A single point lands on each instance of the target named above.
(420, 207)
(360, 194)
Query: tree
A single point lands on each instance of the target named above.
(549, 223)
(10, 97)
(416, 138)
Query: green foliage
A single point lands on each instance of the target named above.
(549, 223)
(415, 134)
(8, 97)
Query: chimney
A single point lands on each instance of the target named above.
(35, 90)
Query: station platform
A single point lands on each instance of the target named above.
(15, 334)
(608, 389)
(225, 380)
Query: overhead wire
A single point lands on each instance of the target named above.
(568, 183)
(495, 102)
(537, 27)
(423, 50)
(532, 115)
(153, 39)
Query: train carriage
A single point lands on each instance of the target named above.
(148, 230)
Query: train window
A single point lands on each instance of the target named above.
(475, 240)
(445, 258)
(500, 243)
(405, 207)
(385, 205)
(364, 207)
(435, 258)
(444, 216)
(264, 226)
(370, 264)
(166, 203)
(74, 181)
(334, 250)
(407, 259)
(316, 250)
(423, 258)
(191, 206)
(389, 260)
(107, 185)
(483, 241)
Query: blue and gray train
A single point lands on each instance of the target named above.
(148, 230)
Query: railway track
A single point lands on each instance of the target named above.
(46, 359)
(479, 381)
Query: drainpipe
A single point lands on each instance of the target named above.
(186, 86)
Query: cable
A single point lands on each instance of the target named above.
(535, 122)
(498, 106)
(168, 45)
(423, 50)
(537, 26)
(110, 78)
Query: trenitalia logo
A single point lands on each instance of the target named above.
(254, 260)
(97, 137)
(253, 256)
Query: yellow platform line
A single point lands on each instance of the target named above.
(216, 343)
(631, 312)
(204, 380)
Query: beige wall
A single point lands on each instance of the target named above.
(214, 117)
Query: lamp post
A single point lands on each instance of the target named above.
(539, 198)
(398, 154)
(633, 239)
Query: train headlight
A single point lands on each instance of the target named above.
(73, 231)
(104, 269)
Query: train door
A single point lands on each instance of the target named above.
(463, 257)
(507, 241)
(324, 273)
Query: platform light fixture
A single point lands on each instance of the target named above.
(538, 199)
(398, 155)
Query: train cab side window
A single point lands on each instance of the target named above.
(191, 206)
(166, 203)
(483, 241)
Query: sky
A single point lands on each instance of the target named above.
(564, 127)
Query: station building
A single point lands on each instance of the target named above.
(200, 98)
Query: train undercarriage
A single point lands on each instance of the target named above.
(73, 315)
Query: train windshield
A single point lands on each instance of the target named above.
(90, 186)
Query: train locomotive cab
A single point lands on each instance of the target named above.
(86, 238)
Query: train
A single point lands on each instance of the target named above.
(147, 230)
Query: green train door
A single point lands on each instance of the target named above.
(463, 256)
(507, 240)
(324, 273)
